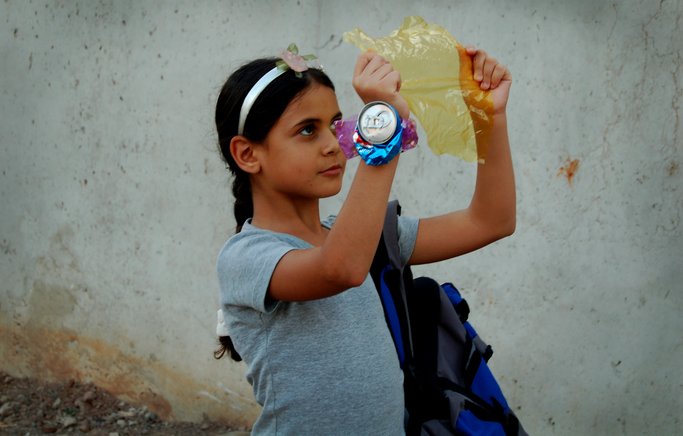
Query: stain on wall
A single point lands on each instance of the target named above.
(569, 169)
(62, 354)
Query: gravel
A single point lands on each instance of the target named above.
(33, 407)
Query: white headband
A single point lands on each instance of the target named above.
(253, 94)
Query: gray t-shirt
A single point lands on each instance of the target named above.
(324, 366)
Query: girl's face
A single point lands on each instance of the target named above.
(301, 157)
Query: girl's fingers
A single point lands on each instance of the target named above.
(478, 65)
(368, 62)
(386, 79)
(379, 70)
(362, 62)
(497, 75)
(487, 72)
(383, 71)
(375, 78)
(376, 63)
(394, 77)
(486, 69)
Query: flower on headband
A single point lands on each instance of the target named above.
(293, 60)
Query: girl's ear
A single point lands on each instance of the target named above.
(242, 151)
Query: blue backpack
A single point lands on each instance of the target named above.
(448, 386)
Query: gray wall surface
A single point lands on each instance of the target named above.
(114, 201)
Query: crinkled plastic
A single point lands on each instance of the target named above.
(437, 83)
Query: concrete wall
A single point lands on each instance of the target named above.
(114, 201)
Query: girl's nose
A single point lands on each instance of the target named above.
(331, 143)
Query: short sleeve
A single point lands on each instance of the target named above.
(407, 235)
(245, 266)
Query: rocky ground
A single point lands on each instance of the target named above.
(31, 407)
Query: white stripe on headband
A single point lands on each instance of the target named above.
(253, 94)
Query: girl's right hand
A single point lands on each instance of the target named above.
(374, 78)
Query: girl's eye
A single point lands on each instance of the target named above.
(307, 130)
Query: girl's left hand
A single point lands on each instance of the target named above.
(492, 76)
(374, 78)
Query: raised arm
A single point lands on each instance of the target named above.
(343, 259)
(491, 213)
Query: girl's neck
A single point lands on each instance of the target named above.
(300, 218)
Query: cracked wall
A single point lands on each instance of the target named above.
(115, 202)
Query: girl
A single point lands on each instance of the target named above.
(299, 302)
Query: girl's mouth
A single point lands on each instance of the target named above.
(332, 171)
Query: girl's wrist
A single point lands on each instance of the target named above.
(378, 134)
(493, 120)
(401, 106)
(397, 101)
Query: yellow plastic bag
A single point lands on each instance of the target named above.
(437, 82)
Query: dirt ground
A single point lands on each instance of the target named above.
(32, 407)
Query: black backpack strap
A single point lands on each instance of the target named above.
(390, 234)
(391, 278)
